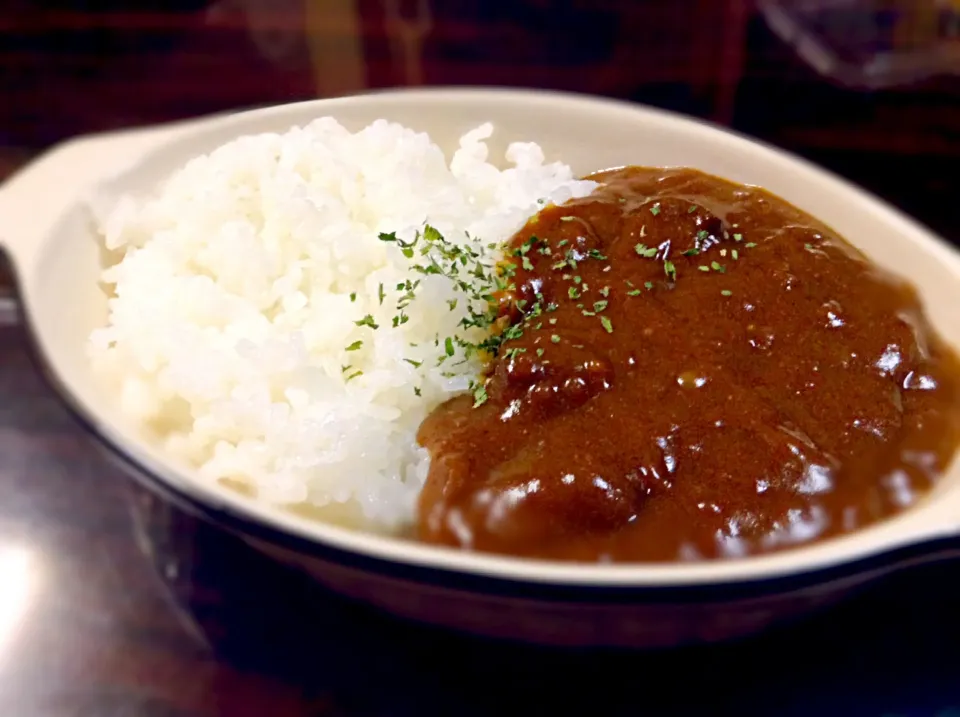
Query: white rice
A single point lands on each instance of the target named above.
(232, 306)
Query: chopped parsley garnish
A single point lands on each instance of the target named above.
(555, 339)
(599, 306)
(738, 237)
(354, 346)
(726, 292)
(607, 324)
(353, 296)
(367, 321)
(605, 291)
(415, 364)
(380, 294)
(716, 266)
(703, 267)
(691, 252)
(670, 270)
(648, 285)
(750, 245)
(633, 292)
(735, 254)
(479, 395)
(655, 209)
(645, 251)
(573, 292)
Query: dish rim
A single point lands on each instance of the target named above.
(240, 513)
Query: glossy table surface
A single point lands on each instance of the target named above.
(114, 604)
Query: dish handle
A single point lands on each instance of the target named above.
(33, 198)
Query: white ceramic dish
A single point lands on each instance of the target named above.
(48, 236)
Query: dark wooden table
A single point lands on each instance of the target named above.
(114, 604)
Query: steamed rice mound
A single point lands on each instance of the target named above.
(239, 286)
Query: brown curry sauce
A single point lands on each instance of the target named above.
(702, 371)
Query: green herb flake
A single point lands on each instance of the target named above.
(691, 252)
(648, 285)
(573, 292)
(415, 364)
(577, 280)
(692, 209)
(479, 395)
(552, 322)
(645, 251)
(380, 294)
(596, 254)
(555, 339)
(367, 321)
(452, 303)
(634, 292)
(607, 324)
(353, 296)
(738, 237)
(703, 267)
(354, 346)
(605, 291)
(726, 292)
(808, 247)
(735, 254)
(655, 209)
(539, 353)
(562, 242)
(448, 346)
(670, 270)
(417, 392)
(599, 306)
(750, 245)
(568, 219)
(352, 376)
(527, 264)
(702, 234)
(716, 266)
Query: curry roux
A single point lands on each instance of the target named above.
(703, 371)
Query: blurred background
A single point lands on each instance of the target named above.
(862, 86)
